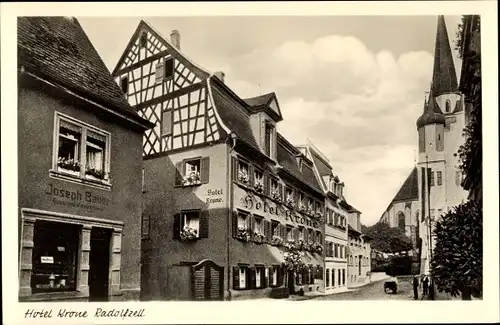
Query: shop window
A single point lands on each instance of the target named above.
(260, 278)
(439, 175)
(193, 171)
(55, 256)
(243, 172)
(82, 151)
(258, 181)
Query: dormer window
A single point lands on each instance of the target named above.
(268, 139)
(164, 70)
(124, 85)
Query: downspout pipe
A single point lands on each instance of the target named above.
(231, 141)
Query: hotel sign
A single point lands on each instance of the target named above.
(251, 203)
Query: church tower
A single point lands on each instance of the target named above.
(439, 136)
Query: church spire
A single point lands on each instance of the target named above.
(432, 114)
(444, 78)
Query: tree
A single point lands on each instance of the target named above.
(387, 239)
(457, 260)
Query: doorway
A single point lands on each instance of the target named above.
(99, 264)
(291, 282)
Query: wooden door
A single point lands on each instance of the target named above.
(207, 281)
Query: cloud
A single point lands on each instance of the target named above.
(357, 106)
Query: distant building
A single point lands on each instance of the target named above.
(436, 177)
(359, 250)
(80, 165)
(336, 219)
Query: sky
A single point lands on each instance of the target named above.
(352, 85)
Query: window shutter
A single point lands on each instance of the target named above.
(251, 278)
(179, 173)
(205, 170)
(204, 223)
(235, 224)
(177, 226)
(236, 278)
(266, 183)
(250, 224)
(267, 231)
(160, 71)
(234, 168)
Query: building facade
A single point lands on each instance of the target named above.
(224, 193)
(359, 250)
(336, 217)
(79, 220)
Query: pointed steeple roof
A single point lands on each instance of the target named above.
(444, 78)
(432, 114)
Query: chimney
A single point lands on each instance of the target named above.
(220, 75)
(175, 39)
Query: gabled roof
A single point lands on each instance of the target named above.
(56, 49)
(444, 78)
(286, 153)
(409, 189)
(232, 111)
(143, 26)
(267, 102)
(324, 169)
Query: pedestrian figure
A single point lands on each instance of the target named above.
(425, 284)
(415, 287)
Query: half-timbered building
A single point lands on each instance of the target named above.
(220, 184)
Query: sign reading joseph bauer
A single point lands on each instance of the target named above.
(85, 199)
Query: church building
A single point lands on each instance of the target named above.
(416, 207)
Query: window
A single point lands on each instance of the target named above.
(328, 277)
(275, 228)
(333, 277)
(243, 172)
(310, 205)
(339, 277)
(242, 277)
(164, 70)
(243, 220)
(80, 145)
(143, 40)
(289, 197)
(275, 189)
(319, 237)
(289, 233)
(301, 233)
(302, 201)
(259, 277)
(145, 226)
(432, 178)
(343, 276)
(448, 106)
(268, 139)
(124, 85)
(194, 171)
(439, 178)
(311, 236)
(258, 181)
(54, 259)
(258, 225)
(274, 276)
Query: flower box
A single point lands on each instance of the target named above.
(95, 173)
(243, 177)
(258, 237)
(317, 247)
(189, 233)
(276, 241)
(290, 244)
(191, 179)
(275, 195)
(69, 164)
(243, 234)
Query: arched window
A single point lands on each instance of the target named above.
(448, 106)
(401, 220)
